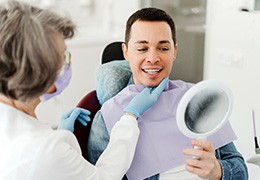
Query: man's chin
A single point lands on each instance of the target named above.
(152, 84)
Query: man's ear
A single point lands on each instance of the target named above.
(175, 51)
(124, 49)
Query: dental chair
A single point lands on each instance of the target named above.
(112, 51)
(89, 102)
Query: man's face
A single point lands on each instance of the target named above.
(150, 52)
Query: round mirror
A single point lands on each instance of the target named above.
(204, 109)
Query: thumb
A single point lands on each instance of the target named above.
(67, 114)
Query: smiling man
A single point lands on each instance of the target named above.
(162, 151)
(150, 51)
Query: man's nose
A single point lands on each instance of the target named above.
(152, 57)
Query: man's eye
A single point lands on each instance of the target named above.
(164, 49)
(142, 49)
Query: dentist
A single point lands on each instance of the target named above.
(34, 67)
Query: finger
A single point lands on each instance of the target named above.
(193, 152)
(194, 162)
(82, 121)
(84, 111)
(203, 169)
(159, 89)
(145, 91)
(85, 117)
(204, 143)
(74, 114)
(195, 170)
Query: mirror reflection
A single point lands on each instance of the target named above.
(206, 110)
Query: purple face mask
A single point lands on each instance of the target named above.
(61, 83)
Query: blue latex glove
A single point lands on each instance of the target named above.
(145, 99)
(68, 119)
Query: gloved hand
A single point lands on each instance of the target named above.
(145, 99)
(68, 119)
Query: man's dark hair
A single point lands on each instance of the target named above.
(149, 14)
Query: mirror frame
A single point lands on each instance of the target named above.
(194, 90)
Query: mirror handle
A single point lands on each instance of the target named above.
(198, 147)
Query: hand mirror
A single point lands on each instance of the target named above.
(204, 109)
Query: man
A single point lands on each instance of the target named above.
(162, 151)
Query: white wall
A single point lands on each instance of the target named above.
(232, 55)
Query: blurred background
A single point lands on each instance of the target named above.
(217, 39)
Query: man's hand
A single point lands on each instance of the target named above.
(206, 165)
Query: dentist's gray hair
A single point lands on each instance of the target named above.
(29, 58)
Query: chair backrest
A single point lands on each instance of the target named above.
(89, 102)
(112, 51)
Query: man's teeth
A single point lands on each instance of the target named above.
(151, 71)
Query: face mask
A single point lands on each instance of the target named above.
(61, 83)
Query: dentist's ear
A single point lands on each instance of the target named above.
(52, 89)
